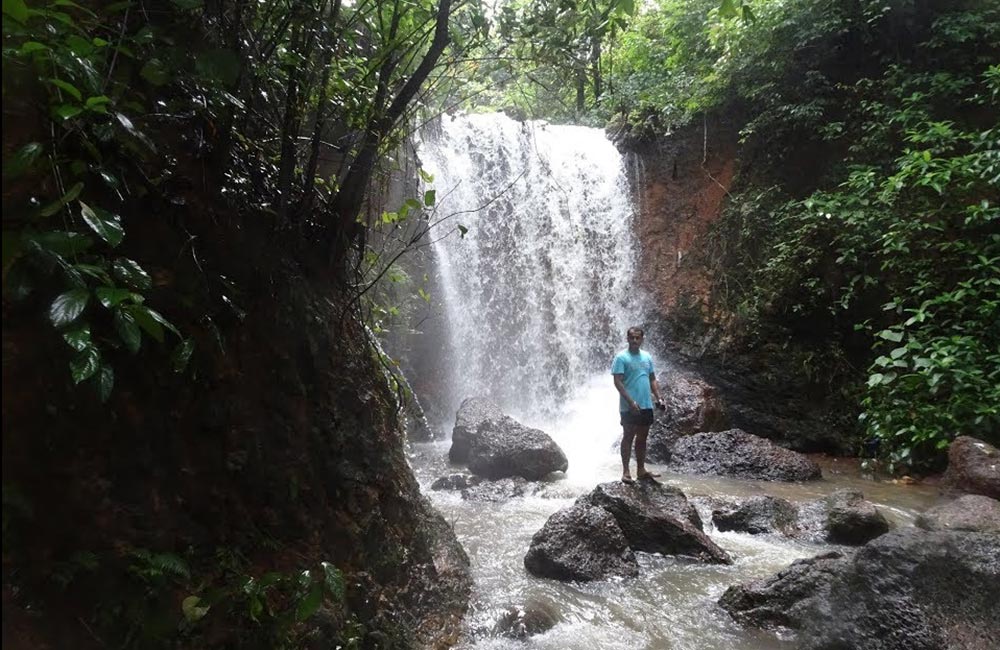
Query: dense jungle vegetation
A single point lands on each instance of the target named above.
(137, 132)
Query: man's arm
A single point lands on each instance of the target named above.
(620, 385)
(654, 387)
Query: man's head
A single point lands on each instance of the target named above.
(634, 336)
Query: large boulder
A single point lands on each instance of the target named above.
(473, 412)
(580, 543)
(507, 448)
(739, 454)
(757, 515)
(974, 467)
(657, 518)
(497, 491)
(692, 406)
(782, 600)
(912, 590)
(850, 519)
(523, 621)
(456, 482)
(909, 589)
(969, 512)
(495, 446)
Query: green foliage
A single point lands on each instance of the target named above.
(903, 246)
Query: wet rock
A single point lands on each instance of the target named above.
(973, 512)
(850, 519)
(581, 543)
(739, 454)
(472, 413)
(781, 600)
(911, 590)
(521, 622)
(496, 491)
(657, 518)
(692, 406)
(974, 467)
(456, 482)
(758, 515)
(495, 446)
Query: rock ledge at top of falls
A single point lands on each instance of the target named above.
(739, 454)
(909, 589)
(495, 446)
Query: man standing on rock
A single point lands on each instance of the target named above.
(636, 384)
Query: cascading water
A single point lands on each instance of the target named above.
(538, 295)
(539, 291)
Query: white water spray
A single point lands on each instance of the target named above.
(541, 288)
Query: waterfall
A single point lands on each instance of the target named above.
(539, 283)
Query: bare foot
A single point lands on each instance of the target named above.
(628, 480)
(648, 476)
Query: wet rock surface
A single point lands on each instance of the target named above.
(497, 491)
(523, 621)
(657, 518)
(456, 482)
(974, 467)
(973, 512)
(692, 406)
(850, 519)
(781, 600)
(496, 446)
(580, 543)
(909, 589)
(758, 515)
(739, 454)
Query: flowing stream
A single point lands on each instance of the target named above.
(537, 296)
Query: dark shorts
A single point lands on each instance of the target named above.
(642, 418)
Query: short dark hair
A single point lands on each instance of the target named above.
(636, 329)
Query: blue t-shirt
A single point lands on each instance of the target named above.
(637, 369)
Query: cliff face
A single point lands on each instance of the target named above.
(683, 183)
(282, 451)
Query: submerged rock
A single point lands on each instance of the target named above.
(973, 512)
(758, 515)
(496, 491)
(456, 482)
(582, 543)
(692, 406)
(850, 519)
(657, 518)
(781, 600)
(523, 621)
(739, 454)
(974, 467)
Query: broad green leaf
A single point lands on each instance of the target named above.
(62, 242)
(57, 205)
(67, 307)
(111, 296)
(131, 274)
(429, 197)
(21, 161)
(85, 364)
(128, 330)
(156, 72)
(107, 225)
(333, 579)
(727, 9)
(33, 46)
(97, 104)
(16, 9)
(891, 335)
(105, 382)
(192, 609)
(67, 87)
(182, 355)
(99, 273)
(312, 601)
(78, 337)
(898, 352)
(427, 177)
(146, 321)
